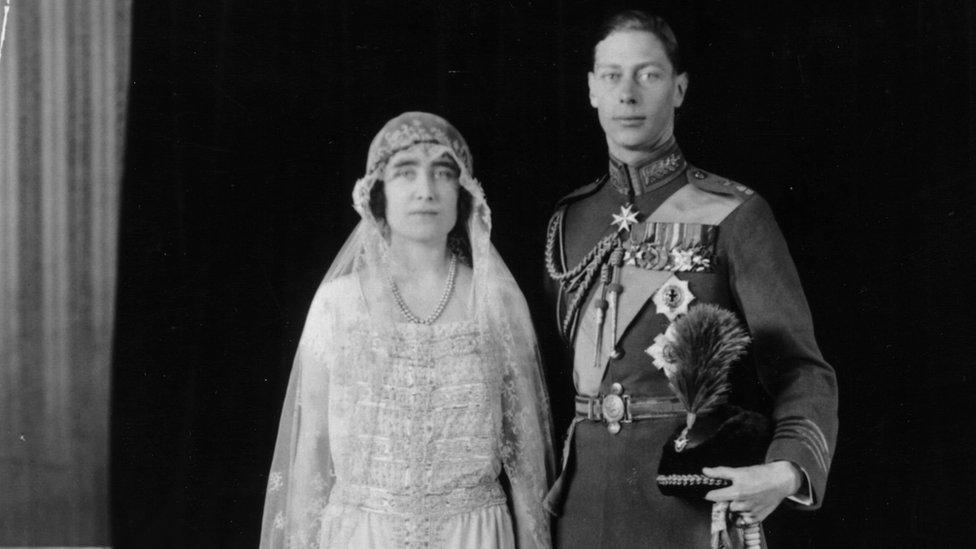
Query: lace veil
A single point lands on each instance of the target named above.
(355, 296)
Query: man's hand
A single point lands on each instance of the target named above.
(755, 491)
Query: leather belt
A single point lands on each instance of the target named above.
(617, 408)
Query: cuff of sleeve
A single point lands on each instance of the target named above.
(803, 495)
(807, 461)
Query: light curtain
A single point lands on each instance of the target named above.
(63, 81)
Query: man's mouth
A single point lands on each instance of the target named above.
(629, 120)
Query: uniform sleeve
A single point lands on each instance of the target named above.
(801, 384)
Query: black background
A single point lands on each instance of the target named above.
(249, 121)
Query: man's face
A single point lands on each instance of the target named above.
(635, 91)
(421, 192)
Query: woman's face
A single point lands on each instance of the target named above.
(421, 189)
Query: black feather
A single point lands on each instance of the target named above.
(707, 341)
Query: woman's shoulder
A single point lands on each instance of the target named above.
(338, 291)
(506, 288)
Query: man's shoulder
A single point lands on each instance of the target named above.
(711, 183)
(706, 199)
(581, 193)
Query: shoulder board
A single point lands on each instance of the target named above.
(582, 192)
(712, 183)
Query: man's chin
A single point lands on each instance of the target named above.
(632, 140)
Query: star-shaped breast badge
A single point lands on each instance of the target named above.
(625, 218)
(672, 298)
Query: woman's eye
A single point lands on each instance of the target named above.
(445, 173)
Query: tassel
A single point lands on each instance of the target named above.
(600, 309)
(616, 260)
(720, 532)
(752, 535)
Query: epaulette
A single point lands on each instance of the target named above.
(712, 183)
(582, 192)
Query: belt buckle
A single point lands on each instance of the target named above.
(615, 408)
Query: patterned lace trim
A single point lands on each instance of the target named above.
(417, 341)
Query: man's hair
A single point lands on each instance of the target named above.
(636, 20)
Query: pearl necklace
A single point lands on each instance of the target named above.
(445, 297)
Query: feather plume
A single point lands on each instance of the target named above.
(707, 341)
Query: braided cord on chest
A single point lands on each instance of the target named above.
(578, 280)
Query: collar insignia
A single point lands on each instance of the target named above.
(650, 175)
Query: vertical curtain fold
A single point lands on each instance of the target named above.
(63, 82)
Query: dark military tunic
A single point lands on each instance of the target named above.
(721, 239)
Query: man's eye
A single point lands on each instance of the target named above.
(649, 76)
(402, 172)
(610, 76)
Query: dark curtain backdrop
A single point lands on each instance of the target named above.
(250, 121)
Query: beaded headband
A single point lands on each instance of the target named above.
(414, 128)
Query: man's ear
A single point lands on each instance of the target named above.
(591, 80)
(680, 88)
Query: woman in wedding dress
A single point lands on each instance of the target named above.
(417, 383)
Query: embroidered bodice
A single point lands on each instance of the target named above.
(408, 424)
(431, 447)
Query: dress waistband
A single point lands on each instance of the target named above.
(380, 500)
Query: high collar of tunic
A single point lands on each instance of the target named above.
(663, 166)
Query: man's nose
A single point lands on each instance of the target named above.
(627, 91)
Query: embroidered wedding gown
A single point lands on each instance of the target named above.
(395, 434)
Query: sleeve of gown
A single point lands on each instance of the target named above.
(790, 367)
(301, 474)
(526, 446)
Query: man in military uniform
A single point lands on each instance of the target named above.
(627, 255)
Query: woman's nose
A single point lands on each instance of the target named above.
(424, 186)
